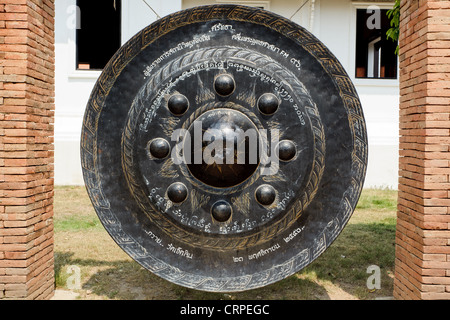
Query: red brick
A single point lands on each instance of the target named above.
(26, 151)
(423, 220)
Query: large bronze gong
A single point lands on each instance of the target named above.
(224, 148)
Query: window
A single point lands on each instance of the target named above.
(375, 54)
(98, 36)
(261, 4)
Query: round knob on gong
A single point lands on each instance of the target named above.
(178, 104)
(177, 192)
(224, 85)
(265, 195)
(287, 150)
(221, 211)
(159, 148)
(224, 169)
(268, 104)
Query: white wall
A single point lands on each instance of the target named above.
(379, 97)
(333, 22)
(285, 8)
(73, 87)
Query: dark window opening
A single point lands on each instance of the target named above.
(375, 54)
(99, 34)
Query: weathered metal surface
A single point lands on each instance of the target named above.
(228, 226)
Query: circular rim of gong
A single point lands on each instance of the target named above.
(160, 28)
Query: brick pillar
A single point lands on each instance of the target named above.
(422, 266)
(26, 148)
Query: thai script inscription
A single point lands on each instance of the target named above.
(237, 227)
(264, 44)
(154, 237)
(287, 195)
(297, 64)
(180, 251)
(264, 252)
(261, 253)
(164, 205)
(221, 27)
(182, 45)
(293, 234)
(252, 41)
(281, 205)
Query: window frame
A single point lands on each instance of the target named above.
(352, 54)
(265, 4)
(73, 71)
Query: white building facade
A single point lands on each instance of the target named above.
(340, 24)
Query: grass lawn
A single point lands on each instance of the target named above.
(339, 273)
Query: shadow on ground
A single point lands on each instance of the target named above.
(340, 273)
(127, 280)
